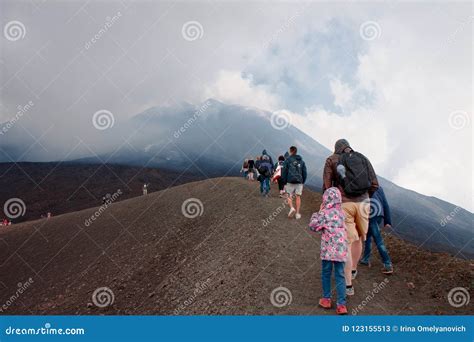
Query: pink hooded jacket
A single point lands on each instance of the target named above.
(330, 221)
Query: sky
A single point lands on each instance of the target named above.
(394, 78)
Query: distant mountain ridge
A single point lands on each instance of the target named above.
(213, 139)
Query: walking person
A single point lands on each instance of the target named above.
(277, 175)
(264, 153)
(251, 168)
(245, 168)
(265, 170)
(379, 211)
(353, 174)
(145, 189)
(329, 220)
(294, 176)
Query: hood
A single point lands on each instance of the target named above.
(332, 198)
(341, 145)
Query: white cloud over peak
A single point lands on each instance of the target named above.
(231, 87)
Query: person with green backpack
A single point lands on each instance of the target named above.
(352, 173)
(294, 175)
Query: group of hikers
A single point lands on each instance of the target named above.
(289, 172)
(349, 217)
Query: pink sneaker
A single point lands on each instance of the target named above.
(341, 310)
(325, 303)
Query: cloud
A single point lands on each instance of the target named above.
(231, 87)
(392, 96)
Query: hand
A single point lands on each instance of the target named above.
(388, 226)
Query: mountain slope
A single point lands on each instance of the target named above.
(64, 187)
(213, 138)
(225, 261)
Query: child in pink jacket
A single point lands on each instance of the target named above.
(329, 220)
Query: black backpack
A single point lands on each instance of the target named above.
(295, 171)
(356, 180)
(263, 170)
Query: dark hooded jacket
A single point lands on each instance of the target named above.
(330, 173)
(264, 153)
(379, 207)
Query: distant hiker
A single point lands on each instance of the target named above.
(251, 168)
(245, 168)
(355, 177)
(265, 170)
(379, 210)
(264, 153)
(277, 175)
(145, 189)
(48, 214)
(294, 176)
(107, 199)
(329, 220)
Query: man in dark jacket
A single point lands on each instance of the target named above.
(356, 208)
(379, 210)
(294, 176)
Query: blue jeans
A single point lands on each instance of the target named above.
(340, 280)
(374, 232)
(265, 185)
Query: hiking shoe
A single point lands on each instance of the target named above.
(349, 291)
(298, 216)
(387, 270)
(325, 303)
(354, 274)
(365, 263)
(292, 212)
(341, 310)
